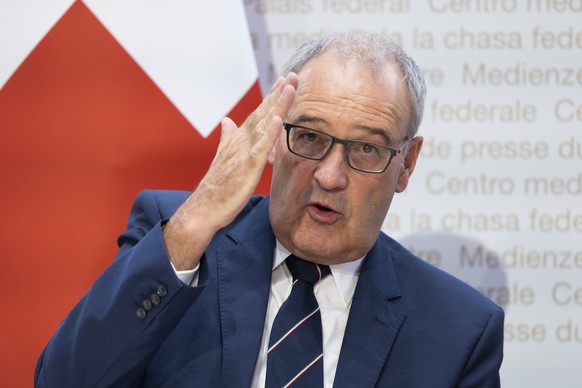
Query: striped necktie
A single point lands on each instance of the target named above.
(295, 354)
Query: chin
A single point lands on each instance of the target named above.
(310, 243)
(321, 249)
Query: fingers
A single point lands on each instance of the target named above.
(284, 101)
(260, 131)
(262, 148)
(277, 83)
(272, 104)
(271, 126)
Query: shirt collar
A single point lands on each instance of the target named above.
(345, 275)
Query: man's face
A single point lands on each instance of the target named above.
(325, 211)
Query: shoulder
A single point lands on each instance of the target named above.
(447, 323)
(430, 288)
(161, 204)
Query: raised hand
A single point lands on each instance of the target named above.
(232, 178)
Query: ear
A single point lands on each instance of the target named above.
(409, 163)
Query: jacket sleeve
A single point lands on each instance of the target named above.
(113, 332)
(482, 368)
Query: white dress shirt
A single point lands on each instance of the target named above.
(334, 295)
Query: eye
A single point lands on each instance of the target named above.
(310, 136)
(369, 148)
(306, 135)
(366, 149)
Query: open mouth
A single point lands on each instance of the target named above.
(323, 208)
(323, 214)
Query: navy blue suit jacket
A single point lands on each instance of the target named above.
(410, 324)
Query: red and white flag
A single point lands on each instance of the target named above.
(98, 100)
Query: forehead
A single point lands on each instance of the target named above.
(346, 96)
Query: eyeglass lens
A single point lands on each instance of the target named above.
(313, 144)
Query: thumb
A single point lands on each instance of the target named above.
(227, 126)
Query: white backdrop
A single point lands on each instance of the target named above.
(496, 197)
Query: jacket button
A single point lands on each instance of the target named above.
(155, 299)
(141, 313)
(146, 304)
(162, 290)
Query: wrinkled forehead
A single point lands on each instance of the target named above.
(351, 93)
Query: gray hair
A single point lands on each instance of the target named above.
(374, 50)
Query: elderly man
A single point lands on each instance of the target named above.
(220, 288)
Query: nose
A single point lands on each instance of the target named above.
(331, 172)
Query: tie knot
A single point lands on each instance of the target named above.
(306, 270)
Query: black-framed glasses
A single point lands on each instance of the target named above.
(362, 156)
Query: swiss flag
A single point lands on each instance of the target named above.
(110, 98)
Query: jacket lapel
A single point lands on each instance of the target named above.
(373, 323)
(244, 266)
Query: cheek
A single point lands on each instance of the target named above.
(288, 181)
(279, 168)
(381, 209)
(375, 204)
(289, 168)
(374, 208)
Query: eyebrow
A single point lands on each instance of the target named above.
(375, 131)
(307, 119)
(302, 119)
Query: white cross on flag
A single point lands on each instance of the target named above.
(98, 100)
